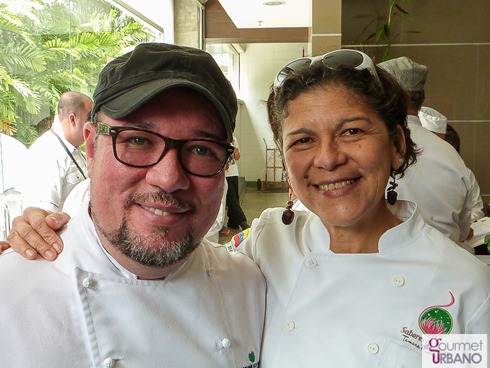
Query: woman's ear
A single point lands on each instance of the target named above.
(400, 148)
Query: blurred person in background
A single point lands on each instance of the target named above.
(55, 162)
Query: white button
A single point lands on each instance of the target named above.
(109, 363)
(398, 281)
(373, 348)
(225, 343)
(289, 326)
(86, 282)
(211, 272)
(311, 262)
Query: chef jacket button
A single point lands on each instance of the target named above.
(211, 272)
(398, 281)
(86, 282)
(373, 348)
(109, 363)
(289, 326)
(226, 343)
(311, 262)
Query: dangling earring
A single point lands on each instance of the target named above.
(391, 195)
(288, 214)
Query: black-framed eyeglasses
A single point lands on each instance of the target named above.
(137, 147)
(353, 58)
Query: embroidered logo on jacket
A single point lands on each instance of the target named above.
(437, 320)
(251, 359)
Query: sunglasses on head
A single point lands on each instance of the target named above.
(353, 58)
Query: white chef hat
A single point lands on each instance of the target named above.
(433, 120)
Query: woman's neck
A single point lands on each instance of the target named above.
(361, 237)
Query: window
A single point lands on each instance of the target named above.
(52, 46)
(228, 59)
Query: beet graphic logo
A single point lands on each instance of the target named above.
(436, 320)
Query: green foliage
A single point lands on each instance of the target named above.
(384, 31)
(52, 46)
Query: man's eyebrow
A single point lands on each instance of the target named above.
(198, 133)
(140, 124)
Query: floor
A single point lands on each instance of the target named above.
(254, 202)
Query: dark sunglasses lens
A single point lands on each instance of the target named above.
(291, 67)
(352, 59)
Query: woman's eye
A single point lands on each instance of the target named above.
(352, 131)
(302, 141)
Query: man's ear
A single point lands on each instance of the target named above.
(73, 120)
(89, 134)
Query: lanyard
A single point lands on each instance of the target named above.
(69, 153)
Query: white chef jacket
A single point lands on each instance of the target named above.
(477, 203)
(84, 310)
(439, 182)
(361, 310)
(213, 233)
(52, 172)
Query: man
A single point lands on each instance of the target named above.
(135, 285)
(55, 163)
(236, 216)
(434, 121)
(439, 181)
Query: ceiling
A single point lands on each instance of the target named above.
(255, 14)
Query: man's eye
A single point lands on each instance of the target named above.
(138, 141)
(202, 151)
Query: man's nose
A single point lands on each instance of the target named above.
(168, 174)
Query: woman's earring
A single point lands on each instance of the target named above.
(391, 195)
(288, 214)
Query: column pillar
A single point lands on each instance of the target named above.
(326, 26)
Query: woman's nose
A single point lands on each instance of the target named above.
(329, 156)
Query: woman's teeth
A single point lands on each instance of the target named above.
(338, 185)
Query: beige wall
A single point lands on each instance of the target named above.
(454, 43)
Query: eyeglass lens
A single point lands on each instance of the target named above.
(140, 148)
(295, 65)
(336, 59)
(331, 60)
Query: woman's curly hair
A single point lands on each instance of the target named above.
(384, 95)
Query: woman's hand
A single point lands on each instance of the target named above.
(34, 233)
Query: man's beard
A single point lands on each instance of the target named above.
(145, 250)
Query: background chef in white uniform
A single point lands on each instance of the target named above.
(354, 281)
(439, 182)
(135, 285)
(436, 122)
(55, 162)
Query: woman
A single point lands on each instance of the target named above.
(356, 282)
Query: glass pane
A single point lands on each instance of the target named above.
(52, 46)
